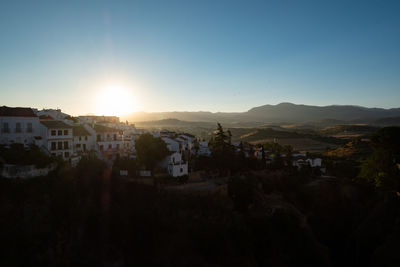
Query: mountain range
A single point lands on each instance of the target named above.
(281, 113)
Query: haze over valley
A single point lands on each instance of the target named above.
(280, 113)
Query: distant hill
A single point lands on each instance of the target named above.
(174, 123)
(281, 113)
(302, 113)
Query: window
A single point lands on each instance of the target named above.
(117, 146)
(18, 127)
(181, 170)
(85, 138)
(65, 132)
(59, 132)
(66, 154)
(65, 144)
(98, 138)
(53, 154)
(59, 146)
(115, 137)
(101, 148)
(5, 128)
(29, 129)
(80, 138)
(109, 146)
(53, 145)
(78, 145)
(84, 147)
(53, 132)
(108, 136)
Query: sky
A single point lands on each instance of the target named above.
(198, 55)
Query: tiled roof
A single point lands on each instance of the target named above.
(55, 124)
(16, 112)
(104, 129)
(80, 131)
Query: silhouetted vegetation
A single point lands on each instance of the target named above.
(150, 150)
(20, 155)
(381, 168)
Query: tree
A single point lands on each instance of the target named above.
(150, 150)
(242, 156)
(263, 159)
(222, 149)
(381, 167)
(221, 140)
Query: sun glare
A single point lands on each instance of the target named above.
(115, 101)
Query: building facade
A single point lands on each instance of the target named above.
(18, 125)
(57, 138)
(84, 141)
(109, 142)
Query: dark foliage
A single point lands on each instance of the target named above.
(150, 150)
(20, 155)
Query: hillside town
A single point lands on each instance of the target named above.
(69, 138)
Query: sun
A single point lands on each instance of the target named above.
(115, 101)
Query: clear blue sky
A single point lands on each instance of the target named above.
(200, 55)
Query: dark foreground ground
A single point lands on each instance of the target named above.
(90, 217)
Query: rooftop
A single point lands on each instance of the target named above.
(55, 124)
(80, 131)
(104, 129)
(16, 112)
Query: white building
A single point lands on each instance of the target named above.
(176, 165)
(204, 150)
(108, 141)
(19, 125)
(57, 138)
(172, 145)
(84, 141)
(55, 114)
(187, 142)
(129, 142)
(317, 162)
(99, 119)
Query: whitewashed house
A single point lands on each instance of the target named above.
(130, 135)
(99, 119)
(187, 142)
(174, 163)
(57, 138)
(204, 150)
(176, 166)
(55, 114)
(172, 144)
(19, 125)
(84, 141)
(108, 141)
(129, 141)
(317, 162)
(258, 153)
(166, 133)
